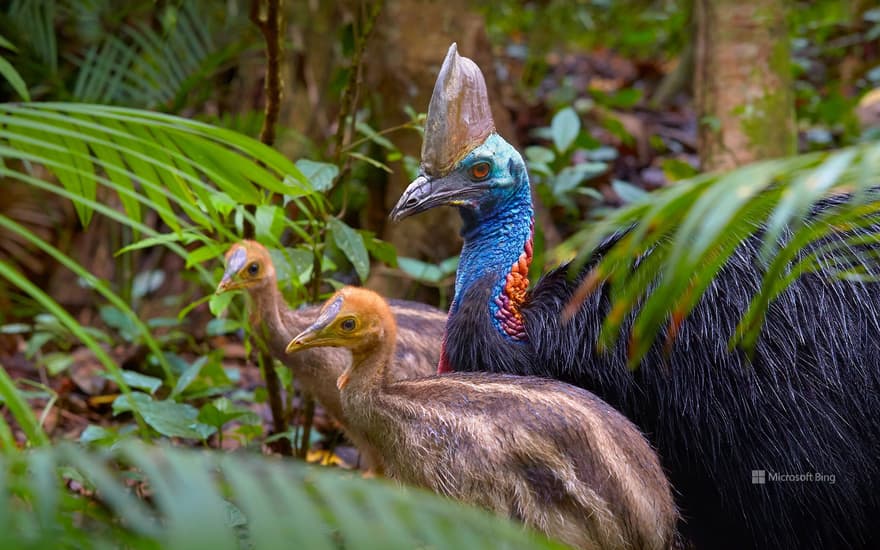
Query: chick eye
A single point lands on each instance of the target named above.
(479, 171)
(348, 325)
(254, 268)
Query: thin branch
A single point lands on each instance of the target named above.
(350, 95)
(271, 29)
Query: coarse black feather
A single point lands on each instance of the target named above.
(806, 404)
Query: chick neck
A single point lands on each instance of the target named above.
(267, 304)
(370, 359)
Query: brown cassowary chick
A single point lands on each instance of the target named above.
(249, 266)
(549, 454)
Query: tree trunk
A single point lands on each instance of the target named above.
(745, 100)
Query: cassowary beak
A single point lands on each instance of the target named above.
(459, 119)
(425, 193)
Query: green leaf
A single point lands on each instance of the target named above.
(21, 411)
(352, 245)
(379, 249)
(8, 72)
(5, 43)
(167, 417)
(118, 320)
(628, 192)
(565, 127)
(222, 410)
(205, 253)
(97, 434)
(542, 155)
(373, 136)
(219, 326)
(320, 174)
(141, 381)
(269, 222)
(371, 161)
(189, 374)
(570, 177)
(421, 271)
(56, 363)
(219, 302)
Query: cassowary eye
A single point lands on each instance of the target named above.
(479, 171)
(253, 269)
(348, 325)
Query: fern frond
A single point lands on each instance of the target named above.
(217, 500)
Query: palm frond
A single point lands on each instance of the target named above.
(143, 67)
(218, 500)
(171, 165)
(35, 21)
(175, 167)
(677, 240)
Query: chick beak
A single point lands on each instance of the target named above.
(301, 341)
(313, 336)
(225, 283)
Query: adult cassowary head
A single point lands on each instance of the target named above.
(464, 162)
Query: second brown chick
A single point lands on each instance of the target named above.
(551, 455)
(249, 267)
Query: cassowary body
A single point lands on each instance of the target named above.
(540, 451)
(803, 415)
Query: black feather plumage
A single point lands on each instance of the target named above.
(806, 404)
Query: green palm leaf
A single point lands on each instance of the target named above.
(678, 239)
(140, 66)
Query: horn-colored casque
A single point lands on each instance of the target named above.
(459, 116)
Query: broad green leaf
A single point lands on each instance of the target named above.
(219, 302)
(319, 174)
(352, 245)
(97, 434)
(269, 222)
(564, 128)
(542, 155)
(628, 192)
(221, 411)
(167, 417)
(219, 326)
(141, 381)
(119, 320)
(205, 253)
(419, 270)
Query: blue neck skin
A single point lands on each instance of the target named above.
(497, 228)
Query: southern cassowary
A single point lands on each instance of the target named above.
(546, 453)
(780, 451)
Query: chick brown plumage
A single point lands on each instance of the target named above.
(249, 266)
(551, 455)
